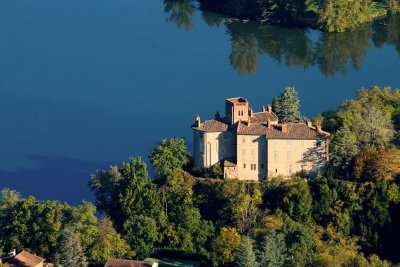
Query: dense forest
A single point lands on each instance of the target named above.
(346, 216)
(328, 15)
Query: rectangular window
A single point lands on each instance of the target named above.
(243, 152)
(243, 140)
(289, 155)
(253, 167)
(244, 166)
(276, 155)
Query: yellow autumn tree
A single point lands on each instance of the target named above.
(226, 244)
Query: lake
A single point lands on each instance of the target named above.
(89, 83)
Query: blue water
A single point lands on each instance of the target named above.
(88, 83)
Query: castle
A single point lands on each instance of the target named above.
(255, 146)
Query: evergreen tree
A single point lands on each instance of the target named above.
(246, 256)
(273, 251)
(286, 106)
(71, 252)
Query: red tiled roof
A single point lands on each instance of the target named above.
(263, 117)
(294, 131)
(228, 163)
(237, 100)
(212, 126)
(127, 263)
(24, 259)
(252, 129)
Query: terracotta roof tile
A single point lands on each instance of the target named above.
(228, 163)
(294, 131)
(237, 100)
(127, 263)
(263, 117)
(24, 259)
(212, 126)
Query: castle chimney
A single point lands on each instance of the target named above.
(269, 124)
(318, 126)
(309, 123)
(269, 108)
(250, 112)
(284, 127)
(217, 116)
(263, 108)
(197, 121)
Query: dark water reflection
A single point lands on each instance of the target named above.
(332, 53)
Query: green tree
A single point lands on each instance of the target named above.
(168, 155)
(226, 244)
(132, 201)
(8, 197)
(272, 252)
(71, 252)
(341, 15)
(286, 106)
(344, 147)
(246, 256)
(297, 200)
(108, 244)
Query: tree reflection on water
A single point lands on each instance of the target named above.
(331, 53)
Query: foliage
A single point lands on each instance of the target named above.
(170, 154)
(226, 244)
(246, 256)
(71, 252)
(297, 202)
(286, 106)
(272, 252)
(108, 244)
(131, 200)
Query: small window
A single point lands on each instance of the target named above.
(240, 112)
(276, 155)
(253, 167)
(243, 140)
(276, 170)
(244, 166)
(262, 166)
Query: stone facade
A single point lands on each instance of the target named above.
(254, 146)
